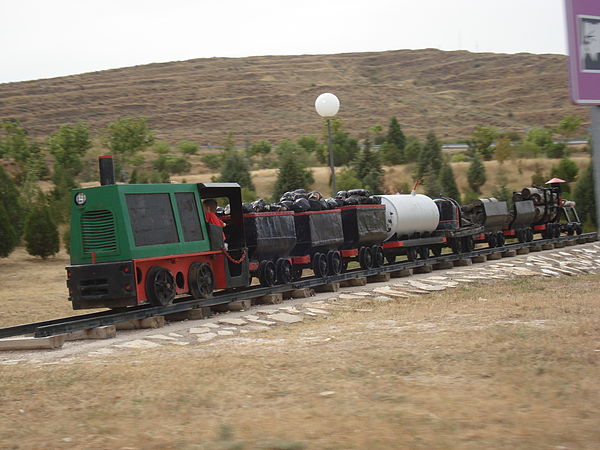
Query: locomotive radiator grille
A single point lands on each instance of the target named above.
(98, 232)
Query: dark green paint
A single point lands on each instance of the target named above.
(112, 198)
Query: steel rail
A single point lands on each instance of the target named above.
(113, 317)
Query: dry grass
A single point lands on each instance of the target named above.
(272, 97)
(513, 366)
(32, 289)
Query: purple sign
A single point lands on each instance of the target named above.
(583, 29)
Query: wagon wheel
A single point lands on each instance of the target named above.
(366, 258)
(284, 271)
(344, 266)
(436, 251)
(492, 241)
(201, 280)
(468, 244)
(423, 252)
(378, 257)
(557, 230)
(521, 235)
(334, 262)
(160, 286)
(500, 239)
(545, 232)
(391, 259)
(578, 229)
(296, 273)
(267, 274)
(456, 245)
(320, 265)
(411, 253)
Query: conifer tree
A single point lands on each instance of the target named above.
(433, 186)
(448, 183)
(292, 175)
(9, 199)
(476, 174)
(8, 240)
(347, 180)
(395, 135)
(235, 169)
(430, 158)
(584, 197)
(501, 191)
(413, 149)
(41, 233)
(392, 149)
(368, 168)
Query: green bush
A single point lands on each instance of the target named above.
(161, 147)
(172, 164)
(41, 233)
(556, 150)
(213, 160)
(235, 169)
(9, 199)
(67, 240)
(565, 169)
(469, 196)
(188, 147)
(476, 175)
(459, 157)
(292, 175)
(8, 240)
(585, 197)
(347, 180)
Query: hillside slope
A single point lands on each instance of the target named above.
(272, 97)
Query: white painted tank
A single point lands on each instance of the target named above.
(409, 213)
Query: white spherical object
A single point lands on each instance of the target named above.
(327, 105)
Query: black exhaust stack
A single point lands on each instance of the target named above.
(107, 170)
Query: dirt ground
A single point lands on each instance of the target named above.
(492, 365)
(33, 289)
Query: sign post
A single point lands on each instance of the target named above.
(583, 31)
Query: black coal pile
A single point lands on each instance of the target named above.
(302, 201)
(357, 197)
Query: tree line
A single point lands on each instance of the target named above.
(33, 216)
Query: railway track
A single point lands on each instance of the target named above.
(113, 317)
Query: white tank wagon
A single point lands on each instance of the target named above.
(417, 225)
(407, 214)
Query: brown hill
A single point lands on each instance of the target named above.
(272, 97)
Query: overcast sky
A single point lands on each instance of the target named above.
(49, 38)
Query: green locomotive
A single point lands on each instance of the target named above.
(137, 244)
